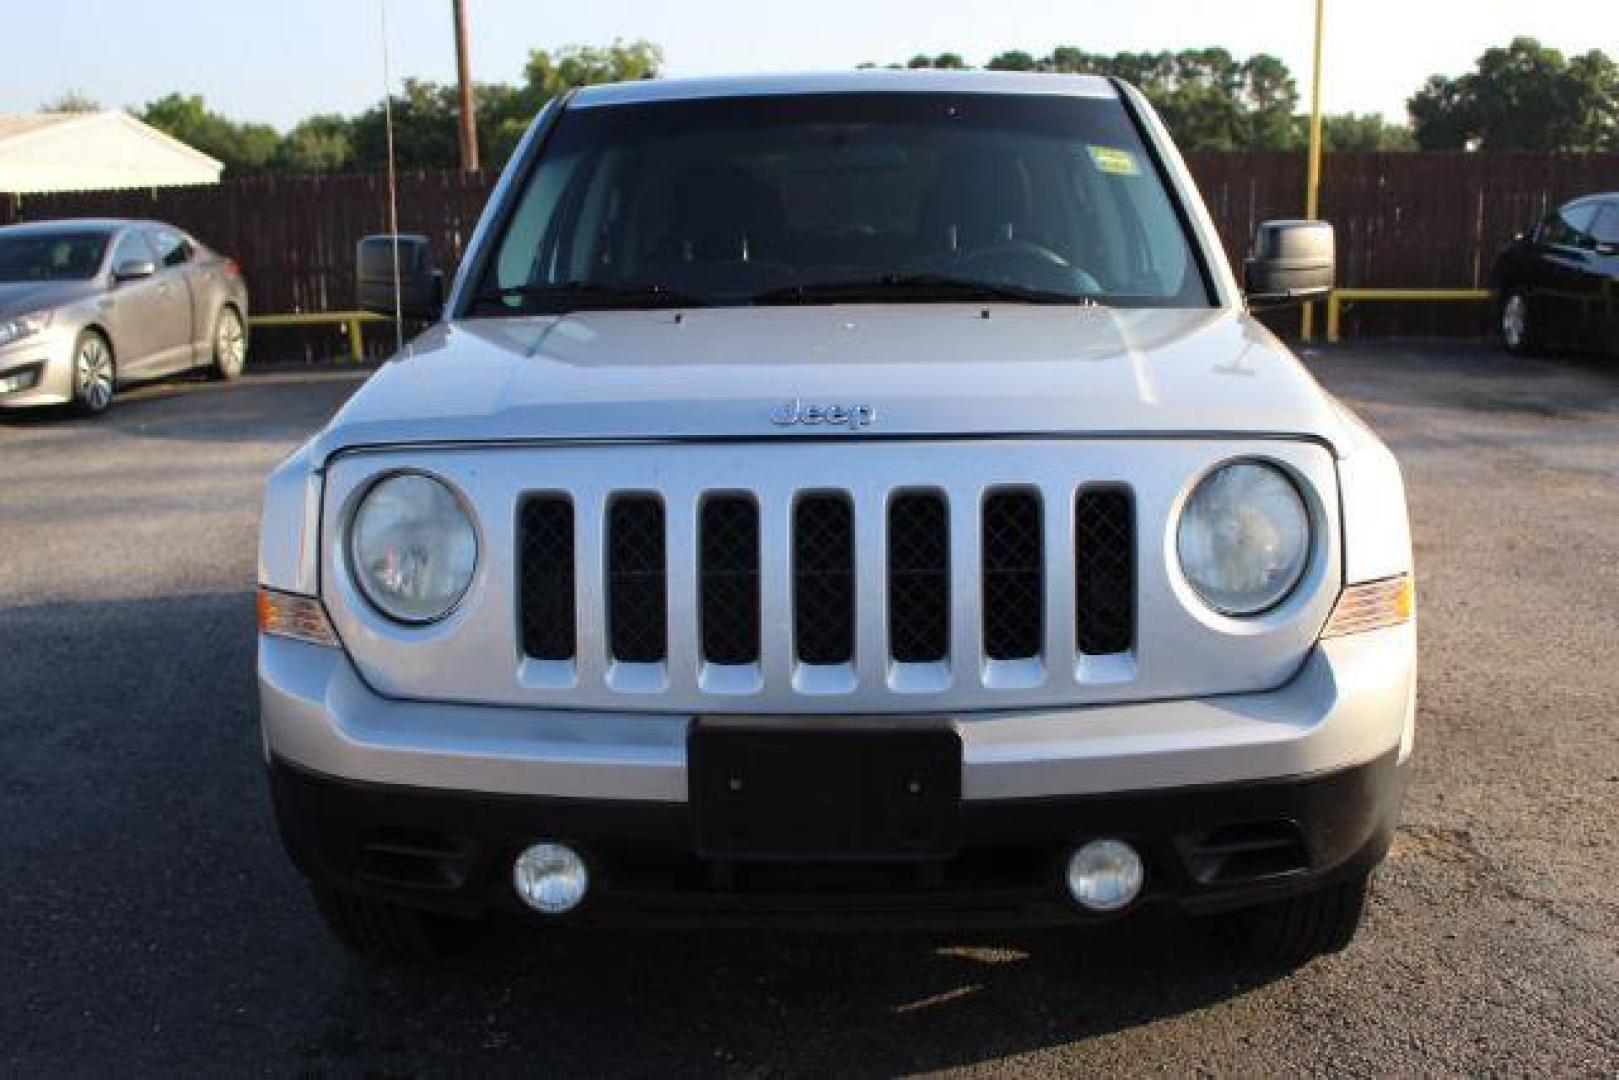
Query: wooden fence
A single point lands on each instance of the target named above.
(293, 236)
(1404, 221)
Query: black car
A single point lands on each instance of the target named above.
(1558, 284)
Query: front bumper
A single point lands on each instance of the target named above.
(1206, 849)
(1232, 799)
(48, 359)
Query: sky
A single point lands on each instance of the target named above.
(280, 61)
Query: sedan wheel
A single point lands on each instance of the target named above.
(94, 375)
(1517, 332)
(230, 345)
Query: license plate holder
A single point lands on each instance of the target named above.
(774, 789)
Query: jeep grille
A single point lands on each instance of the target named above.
(825, 550)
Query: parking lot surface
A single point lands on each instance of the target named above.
(150, 922)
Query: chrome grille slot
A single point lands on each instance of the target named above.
(918, 578)
(637, 594)
(1013, 575)
(823, 579)
(1104, 571)
(730, 580)
(546, 571)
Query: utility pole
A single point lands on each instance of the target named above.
(1312, 193)
(463, 68)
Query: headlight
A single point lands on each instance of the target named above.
(412, 548)
(1244, 538)
(20, 326)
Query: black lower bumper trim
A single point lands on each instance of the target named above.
(1206, 849)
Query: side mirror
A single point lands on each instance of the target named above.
(418, 290)
(133, 270)
(1293, 262)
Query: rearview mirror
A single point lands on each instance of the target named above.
(417, 292)
(134, 269)
(1293, 262)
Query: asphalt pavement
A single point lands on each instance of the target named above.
(149, 922)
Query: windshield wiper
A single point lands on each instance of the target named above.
(586, 296)
(916, 287)
(898, 287)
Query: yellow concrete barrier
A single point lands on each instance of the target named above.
(355, 321)
(1340, 297)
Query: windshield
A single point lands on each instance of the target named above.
(63, 256)
(834, 198)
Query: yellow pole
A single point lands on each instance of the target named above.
(1312, 194)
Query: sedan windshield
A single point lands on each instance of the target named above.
(842, 198)
(53, 256)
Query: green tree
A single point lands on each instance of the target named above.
(425, 112)
(504, 114)
(1597, 74)
(1208, 98)
(1270, 97)
(1353, 132)
(424, 129)
(1524, 96)
(1441, 117)
(318, 144)
(947, 61)
(1015, 60)
(243, 148)
(425, 115)
(548, 74)
(73, 101)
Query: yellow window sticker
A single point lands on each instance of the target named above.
(1114, 162)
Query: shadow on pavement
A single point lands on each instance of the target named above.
(161, 925)
(609, 1003)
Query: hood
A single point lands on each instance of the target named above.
(900, 370)
(23, 297)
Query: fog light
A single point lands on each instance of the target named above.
(550, 878)
(23, 378)
(1105, 875)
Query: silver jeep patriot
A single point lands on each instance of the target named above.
(856, 498)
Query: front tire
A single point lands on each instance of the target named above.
(230, 346)
(1518, 325)
(1291, 932)
(95, 374)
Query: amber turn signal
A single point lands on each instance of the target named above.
(1373, 605)
(289, 615)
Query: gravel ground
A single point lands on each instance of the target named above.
(152, 924)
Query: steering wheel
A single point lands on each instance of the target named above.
(1026, 263)
(1008, 251)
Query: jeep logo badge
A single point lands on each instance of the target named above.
(796, 413)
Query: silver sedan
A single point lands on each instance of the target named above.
(88, 306)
